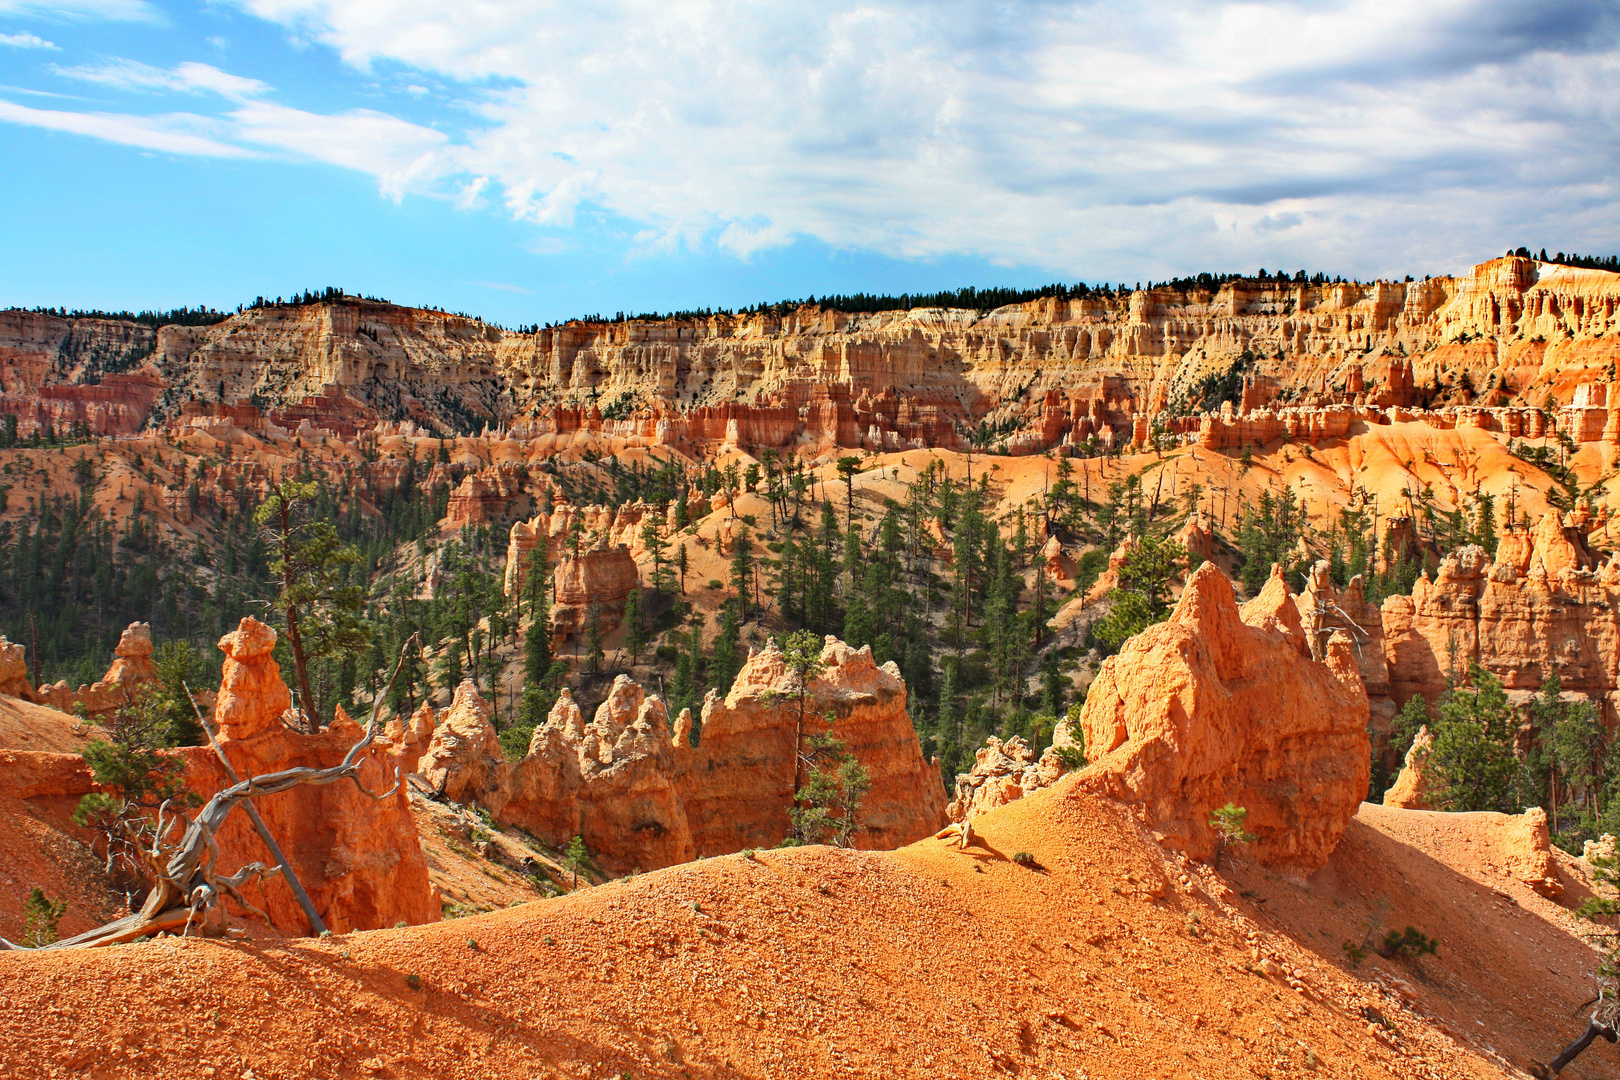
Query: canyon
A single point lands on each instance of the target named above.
(1513, 331)
(1059, 904)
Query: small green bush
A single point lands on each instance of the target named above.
(1071, 758)
(40, 916)
(1409, 944)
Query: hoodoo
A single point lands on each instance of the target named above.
(1206, 709)
(641, 797)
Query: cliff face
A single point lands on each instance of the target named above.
(763, 378)
(738, 780)
(1516, 617)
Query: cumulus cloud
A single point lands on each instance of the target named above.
(1093, 140)
(1071, 136)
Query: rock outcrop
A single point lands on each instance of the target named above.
(615, 781)
(1001, 773)
(1205, 709)
(642, 796)
(1514, 617)
(1411, 788)
(1529, 852)
(132, 667)
(359, 858)
(14, 671)
(464, 762)
(738, 780)
(594, 583)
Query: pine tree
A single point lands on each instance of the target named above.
(635, 629)
(742, 570)
(1473, 751)
(321, 614)
(726, 659)
(593, 636)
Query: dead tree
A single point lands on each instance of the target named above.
(1603, 1023)
(189, 890)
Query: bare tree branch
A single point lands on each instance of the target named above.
(187, 888)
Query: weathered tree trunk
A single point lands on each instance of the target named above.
(1574, 1049)
(316, 925)
(306, 700)
(188, 889)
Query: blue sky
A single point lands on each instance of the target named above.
(529, 161)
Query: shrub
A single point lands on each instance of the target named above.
(1409, 944)
(1023, 858)
(713, 584)
(40, 916)
(1071, 758)
(1230, 825)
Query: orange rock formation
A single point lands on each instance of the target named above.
(1213, 706)
(1516, 618)
(599, 578)
(1001, 773)
(358, 857)
(644, 797)
(1411, 788)
(1061, 370)
(132, 666)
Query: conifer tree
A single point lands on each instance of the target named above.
(320, 613)
(742, 570)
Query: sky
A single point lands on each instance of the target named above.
(529, 161)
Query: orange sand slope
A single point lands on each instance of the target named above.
(1107, 958)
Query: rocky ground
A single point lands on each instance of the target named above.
(1099, 956)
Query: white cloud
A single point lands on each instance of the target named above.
(1084, 138)
(175, 133)
(1094, 140)
(401, 155)
(83, 10)
(187, 78)
(26, 41)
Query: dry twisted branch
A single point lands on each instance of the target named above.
(187, 887)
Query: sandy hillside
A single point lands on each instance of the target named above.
(1097, 961)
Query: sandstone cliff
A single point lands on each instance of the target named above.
(1059, 368)
(1515, 617)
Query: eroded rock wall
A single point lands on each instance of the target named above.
(1063, 369)
(1514, 617)
(642, 796)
